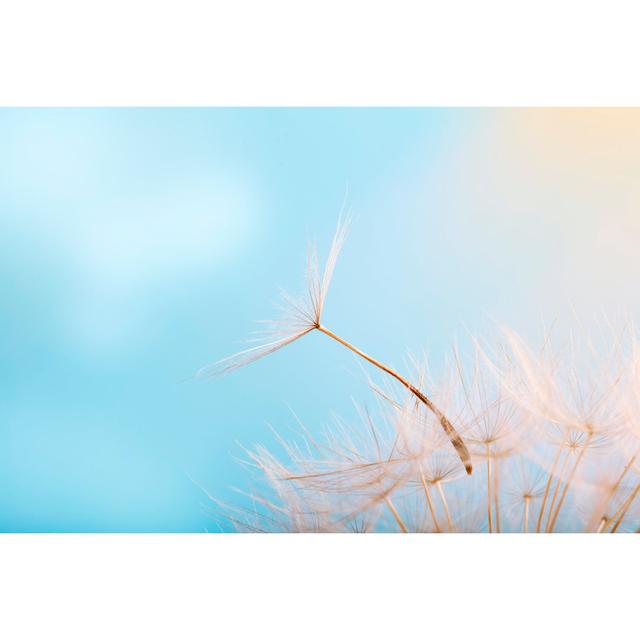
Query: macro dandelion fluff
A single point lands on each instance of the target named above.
(553, 435)
(304, 315)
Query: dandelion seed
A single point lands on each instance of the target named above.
(304, 316)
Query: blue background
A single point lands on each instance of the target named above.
(137, 245)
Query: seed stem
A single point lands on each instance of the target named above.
(396, 515)
(449, 429)
(446, 505)
(613, 492)
(547, 487)
(425, 486)
(627, 503)
(563, 466)
(489, 484)
(525, 525)
(583, 450)
(496, 493)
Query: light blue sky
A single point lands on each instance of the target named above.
(137, 245)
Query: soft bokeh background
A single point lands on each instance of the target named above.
(137, 245)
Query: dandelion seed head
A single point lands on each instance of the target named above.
(392, 469)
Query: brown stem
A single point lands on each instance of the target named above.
(628, 502)
(429, 502)
(489, 500)
(496, 493)
(446, 505)
(546, 490)
(556, 490)
(612, 492)
(612, 520)
(396, 515)
(583, 450)
(449, 429)
(525, 526)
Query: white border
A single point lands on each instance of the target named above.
(317, 586)
(337, 52)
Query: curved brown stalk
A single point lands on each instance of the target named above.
(449, 429)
